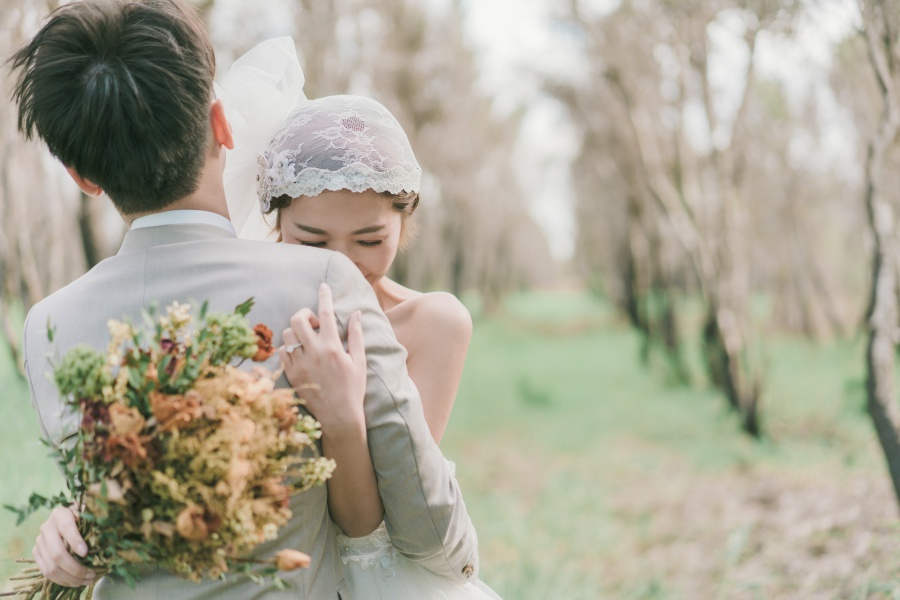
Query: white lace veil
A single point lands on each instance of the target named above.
(285, 144)
(259, 92)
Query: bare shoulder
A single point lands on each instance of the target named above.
(441, 313)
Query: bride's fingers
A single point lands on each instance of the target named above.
(291, 355)
(355, 342)
(327, 322)
(290, 343)
(302, 325)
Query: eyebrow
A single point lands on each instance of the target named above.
(316, 231)
(309, 229)
(372, 229)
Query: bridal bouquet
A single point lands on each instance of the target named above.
(182, 460)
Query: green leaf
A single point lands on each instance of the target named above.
(37, 502)
(163, 370)
(243, 309)
(203, 310)
(51, 331)
(279, 584)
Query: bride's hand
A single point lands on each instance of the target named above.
(330, 379)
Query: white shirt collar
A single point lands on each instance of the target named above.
(181, 217)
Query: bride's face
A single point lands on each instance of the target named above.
(365, 227)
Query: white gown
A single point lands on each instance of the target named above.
(376, 571)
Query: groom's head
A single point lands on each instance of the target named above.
(120, 91)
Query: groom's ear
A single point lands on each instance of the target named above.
(87, 186)
(220, 125)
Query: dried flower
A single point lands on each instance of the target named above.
(175, 411)
(289, 560)
(191, 525)
(114, 491)
(125, 420)
(182, 460)
(130, 448)
(263, 343)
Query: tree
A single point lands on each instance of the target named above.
(881, 20)
(666, 161)
(48, 233)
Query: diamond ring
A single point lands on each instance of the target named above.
(293, 347)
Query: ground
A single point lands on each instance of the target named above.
(589, 476)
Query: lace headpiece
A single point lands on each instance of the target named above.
(286, 144)
(338, 143)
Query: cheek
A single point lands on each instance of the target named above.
(376, 262)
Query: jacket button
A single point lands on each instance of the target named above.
(469, 570)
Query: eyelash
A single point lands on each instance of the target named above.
(361, 243)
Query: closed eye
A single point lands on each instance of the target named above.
(368, 244)
(313, 244)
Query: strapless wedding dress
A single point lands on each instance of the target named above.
(376, 571)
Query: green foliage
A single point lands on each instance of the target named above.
(227, 335)
(82, 373)
(35, 503)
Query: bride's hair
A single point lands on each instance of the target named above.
(120, 92)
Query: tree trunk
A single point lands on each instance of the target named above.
(884, 313)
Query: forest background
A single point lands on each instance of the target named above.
(675, 224)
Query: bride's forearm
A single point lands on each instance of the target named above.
(353, 498)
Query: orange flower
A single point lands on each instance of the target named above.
(172, 411)
(238, 474)
(114, 491)
(125, 420)
(190, 524)
(264, 347)
(152, 373)
(130, 448)
(274, 489)
(288, 560)
(286, 415)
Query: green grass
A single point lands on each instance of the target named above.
(25, 466)
(557, 423)
(588, 476)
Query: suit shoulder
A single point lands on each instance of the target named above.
(277, 255)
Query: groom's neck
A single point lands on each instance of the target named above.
(209, 196)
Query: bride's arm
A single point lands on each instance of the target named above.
(437, 346)
(336, 400)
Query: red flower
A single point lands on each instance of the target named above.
(264, 347)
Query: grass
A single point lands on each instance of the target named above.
(589, 477)
(25, 466)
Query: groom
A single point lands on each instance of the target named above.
(121, 91)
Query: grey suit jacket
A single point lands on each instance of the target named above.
(424, 510)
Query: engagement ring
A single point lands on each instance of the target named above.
(293, 347)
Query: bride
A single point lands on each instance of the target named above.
(338, 173)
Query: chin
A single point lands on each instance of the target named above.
(372, 278)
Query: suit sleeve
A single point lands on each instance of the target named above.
(424, 510)
(27, 334)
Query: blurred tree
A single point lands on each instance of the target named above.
(881, 20)
(48, 233)
(694, 188)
